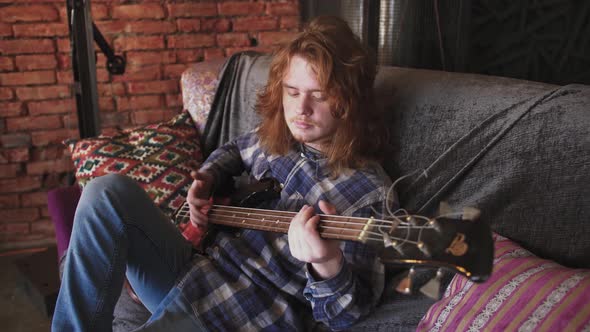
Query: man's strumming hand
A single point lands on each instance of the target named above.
(198, 197)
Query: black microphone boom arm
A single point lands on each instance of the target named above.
(83, 34)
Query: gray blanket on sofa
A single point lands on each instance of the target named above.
(233, 108)
(517, 150)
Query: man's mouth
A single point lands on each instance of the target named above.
(302, 124)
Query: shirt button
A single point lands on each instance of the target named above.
(216, 252)
(312, 287)
(237, 235)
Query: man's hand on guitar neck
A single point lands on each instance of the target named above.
(307, 246)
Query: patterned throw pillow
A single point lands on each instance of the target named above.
(159, 157)
(524, 293)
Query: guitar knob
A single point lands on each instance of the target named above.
(424, 248)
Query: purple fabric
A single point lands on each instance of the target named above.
(62, 203)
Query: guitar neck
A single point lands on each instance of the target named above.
(330, 227)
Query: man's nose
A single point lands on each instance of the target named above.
(304, 105)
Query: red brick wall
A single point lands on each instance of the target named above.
(37, 108)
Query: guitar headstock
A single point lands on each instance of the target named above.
(464, 246)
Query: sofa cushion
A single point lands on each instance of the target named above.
(525, 292)
(159, 157)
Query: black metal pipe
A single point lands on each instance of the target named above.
(84, 67)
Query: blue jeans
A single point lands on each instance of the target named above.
(118, 231)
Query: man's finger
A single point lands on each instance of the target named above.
(198, 216)
(196, 201)
(312, 225)
(327, 208)
(301, 216)
(202, 183)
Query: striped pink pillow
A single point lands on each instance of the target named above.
(524, 293)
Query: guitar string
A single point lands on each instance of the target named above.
(369, 235)
(183, 212)
(397, 220)
(323, 233)
(273, 218)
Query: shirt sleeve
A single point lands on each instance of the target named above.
(231, 159)
(341, 301)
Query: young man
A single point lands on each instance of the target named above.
(319, 137)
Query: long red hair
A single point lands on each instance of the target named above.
(346, 72)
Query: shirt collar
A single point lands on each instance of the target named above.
(311, 153)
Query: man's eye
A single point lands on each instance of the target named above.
(293, 93)
(318, 97)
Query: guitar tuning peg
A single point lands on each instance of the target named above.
(432, 287)
(424, 248)
(434, 224)
(405, 284)
(387, 241)
(397, 246)
(470, 213)
(411, 220)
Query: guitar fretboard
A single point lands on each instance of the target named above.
(330, 227)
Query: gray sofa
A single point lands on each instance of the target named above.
(517, 150)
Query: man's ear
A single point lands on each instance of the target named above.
(339, 112)
(339, 109)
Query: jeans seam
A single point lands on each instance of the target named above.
(109, 280)
(152, 242)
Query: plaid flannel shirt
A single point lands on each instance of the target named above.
(248, 280)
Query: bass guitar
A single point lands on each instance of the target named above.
(452, 241)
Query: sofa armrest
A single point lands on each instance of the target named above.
(198, 85)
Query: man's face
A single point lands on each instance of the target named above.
(307, 110)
